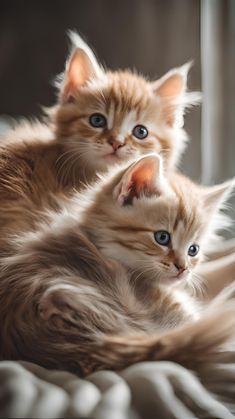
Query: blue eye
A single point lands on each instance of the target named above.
(140, 132)
(193, 250)
(97, 120)
(162, 237)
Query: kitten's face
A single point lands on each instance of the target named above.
(105, 118)
(155, 226)
(160, 236)
(117, 121)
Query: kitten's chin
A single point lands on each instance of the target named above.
(118, 157)
(112, 158)
(169, 278)
(102, 163)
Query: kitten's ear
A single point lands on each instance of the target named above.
(173, 83)
(171, 88)
(142, 178)
(81, 67)
(215, 196)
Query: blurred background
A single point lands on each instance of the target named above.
(151, 36)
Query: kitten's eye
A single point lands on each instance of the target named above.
(162, 237)
(98, 120)
(193, 250)
(140, 132)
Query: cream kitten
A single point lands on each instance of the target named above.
(106, 282)
(102, 118)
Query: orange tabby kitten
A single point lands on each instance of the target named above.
(102, 118)
(102, 283)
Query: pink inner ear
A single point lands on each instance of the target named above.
(78, 73)
(171, 87)
(142, 178)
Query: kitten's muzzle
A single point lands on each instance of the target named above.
(181, 269)
(116, 144)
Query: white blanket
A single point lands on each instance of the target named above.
(147, 390)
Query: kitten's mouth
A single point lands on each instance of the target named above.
(112, 156)
(175, 278)
(179, 276)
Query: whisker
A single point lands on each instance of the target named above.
(197, 284)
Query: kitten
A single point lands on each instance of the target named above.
(102, 118)
(107, 283)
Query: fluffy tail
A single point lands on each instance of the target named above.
(193, 345)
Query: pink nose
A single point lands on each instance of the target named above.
(180, 268)
(116, 144)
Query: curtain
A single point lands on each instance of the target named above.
(218, 86)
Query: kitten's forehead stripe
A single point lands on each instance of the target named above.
(177, 219)
(187, 210)
(128, 123)
(111, 113)
(132, 228)
(128, 91)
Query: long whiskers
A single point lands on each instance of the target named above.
(71, 157)
(197, 286)
(145, 270)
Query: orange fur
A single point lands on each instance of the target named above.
(89, 287)
(41, 162)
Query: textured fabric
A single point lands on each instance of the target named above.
(146, 390)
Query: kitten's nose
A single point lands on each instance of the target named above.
(116, 144)
(180, 268)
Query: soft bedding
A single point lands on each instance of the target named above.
(145, 390)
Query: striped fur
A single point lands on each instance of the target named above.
(65, 304)
(41, 162)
